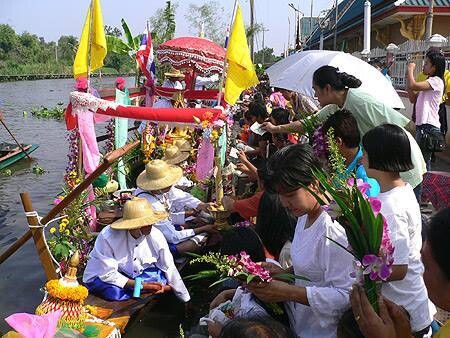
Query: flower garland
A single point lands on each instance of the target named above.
(71, 293)
(109, 144)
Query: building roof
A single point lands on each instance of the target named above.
(351, 14)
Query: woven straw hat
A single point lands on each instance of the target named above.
(174, 73)
(158, 175)
(138, 213)
(183, 144)
(173, 155)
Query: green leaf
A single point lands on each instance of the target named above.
(202, 274)
(219, 281)
(290, 277)
(128, 34)
(250, 277)
(116, 45)
(340, 245)
(192, 254)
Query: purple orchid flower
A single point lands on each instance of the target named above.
(375, 267)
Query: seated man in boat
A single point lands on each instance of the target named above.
(129, 248)
(157, 184)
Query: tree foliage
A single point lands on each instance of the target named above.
(265, 56)
(162, 23)
(210, 15)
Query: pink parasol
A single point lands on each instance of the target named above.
(201, 55)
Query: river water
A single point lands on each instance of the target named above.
(21, 276)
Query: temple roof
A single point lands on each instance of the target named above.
(351, 13)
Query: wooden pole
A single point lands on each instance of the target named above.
(39, 242)
(107, 162)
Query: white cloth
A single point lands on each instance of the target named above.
(116, 253)
(328, 267)
(174, 201)
(402, 212)
(243, 305)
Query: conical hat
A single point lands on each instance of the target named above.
(173, 155)
(138, 213)
(158, 175)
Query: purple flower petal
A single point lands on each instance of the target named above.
(369, 260)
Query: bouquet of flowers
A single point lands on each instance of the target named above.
(235, 266)
(367, 232)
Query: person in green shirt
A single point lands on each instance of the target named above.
(338, 90)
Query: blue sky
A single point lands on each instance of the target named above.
(53, 18)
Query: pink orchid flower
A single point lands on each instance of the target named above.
(375, 267)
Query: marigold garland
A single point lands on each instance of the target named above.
(72, 293)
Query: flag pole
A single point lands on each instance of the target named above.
(91, 15)
(224, 69)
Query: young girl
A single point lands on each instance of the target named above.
(429, 97)
(316, 305)
(386, 153)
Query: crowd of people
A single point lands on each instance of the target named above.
(289, 231)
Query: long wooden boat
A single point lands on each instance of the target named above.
(11, 153)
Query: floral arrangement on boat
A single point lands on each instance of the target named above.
(73, 232)
(67, 296)
(346, 201)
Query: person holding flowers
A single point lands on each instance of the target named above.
(157, 184)
(314, 305)
(130, 248)
(387, 153)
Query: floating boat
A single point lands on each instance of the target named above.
(11, 153)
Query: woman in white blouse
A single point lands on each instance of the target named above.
(314, 306)
(129, 248)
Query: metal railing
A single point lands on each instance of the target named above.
(409, 51)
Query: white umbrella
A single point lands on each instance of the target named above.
(296, 73)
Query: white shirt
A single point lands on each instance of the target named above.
(402, 212)
(174, 202)
(328, 267)
(117, 254)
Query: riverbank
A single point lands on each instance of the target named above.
(32, 77)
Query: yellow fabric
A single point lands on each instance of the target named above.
(422, 77)
(444, 332)
(241, 71)
(98, 42)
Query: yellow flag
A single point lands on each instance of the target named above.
(98, 42)
(241, 71)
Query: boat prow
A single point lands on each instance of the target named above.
(11, 153)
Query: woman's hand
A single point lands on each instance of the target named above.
(411, 67)
(222, 298)
(274, 291)
(268, 126)
(392, 322)
(242, 157)
(202, 207)
(243, 168)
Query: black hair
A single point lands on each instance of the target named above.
(345, 127)
(329, 75)
(257, 110)
(258, 98)
(274, 223)
(438, 61)
(243, 239)
(290, 168)
(388, 148)
(258, 327)
(348, 327)
(438, 236)
(280, 115)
